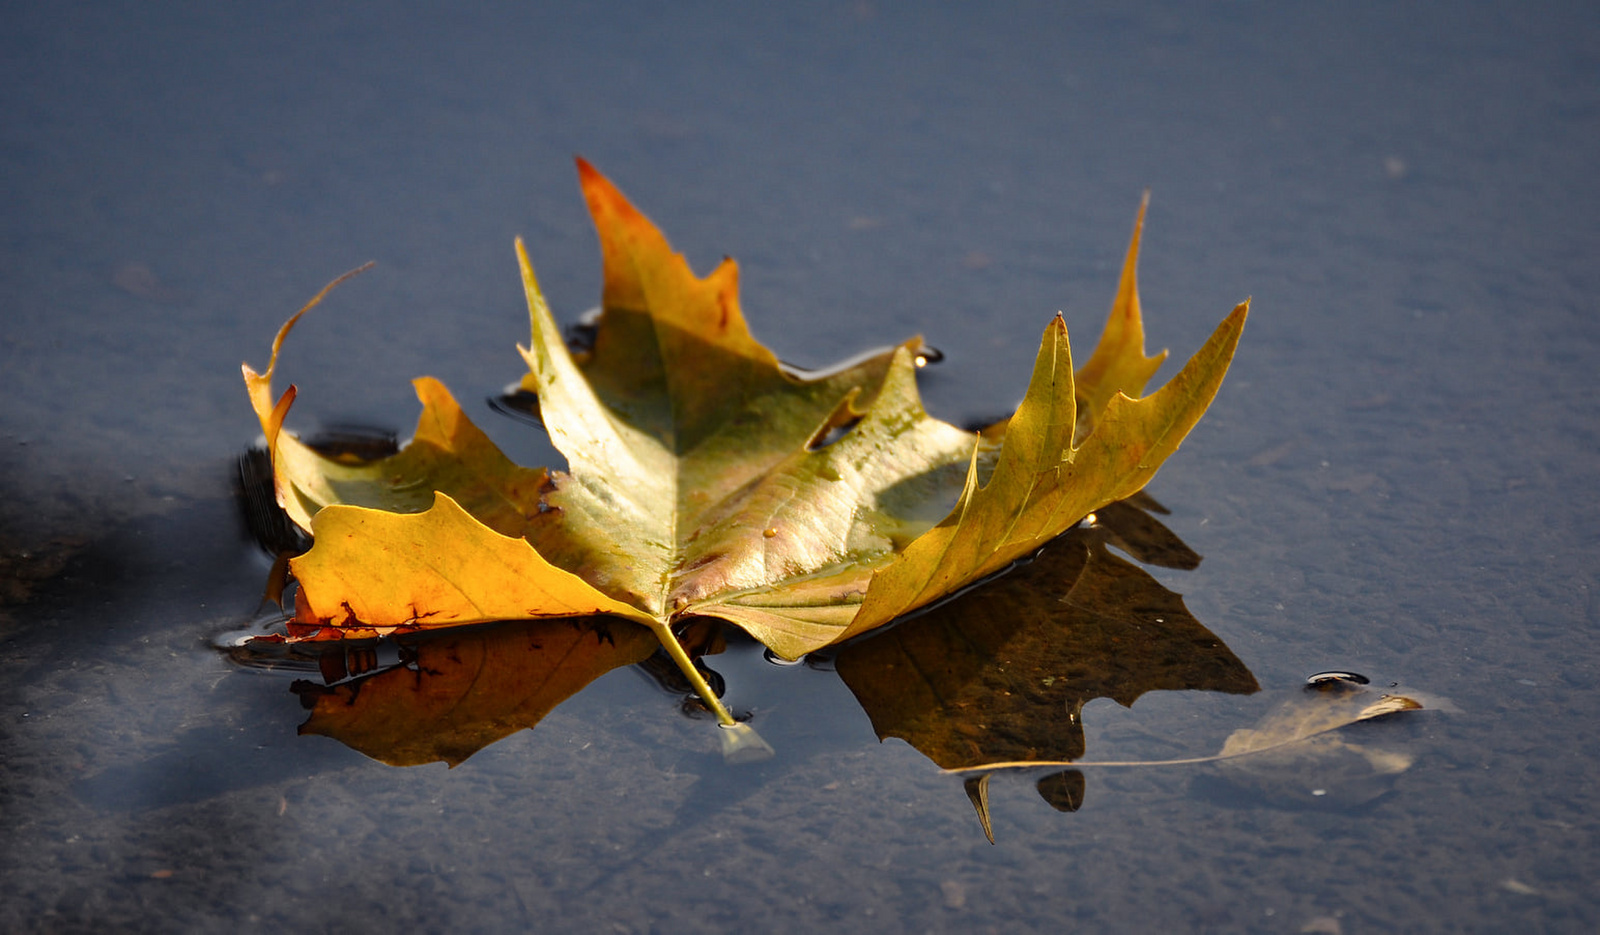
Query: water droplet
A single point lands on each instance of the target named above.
(1335, 680)
(354, 442)
(518, 403)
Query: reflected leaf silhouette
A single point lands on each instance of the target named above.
(1130, 527)
(1001, 674)
(452, 695)
(1064, 791)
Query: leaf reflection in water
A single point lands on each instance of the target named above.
(997, 679)
(449, 696)
(993, 680)
(1002, 674)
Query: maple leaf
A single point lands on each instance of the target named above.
(706, 478)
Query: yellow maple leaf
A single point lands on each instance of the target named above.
(706, 478)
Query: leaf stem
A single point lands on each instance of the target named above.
(686, 665)
(740, 742)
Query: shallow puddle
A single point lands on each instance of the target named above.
(1397, 479)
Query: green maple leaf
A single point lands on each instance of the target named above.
(705, 478)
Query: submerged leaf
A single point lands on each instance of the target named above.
(704, 478)
(1312, 712)
(1293, 757)
(1309, 716)
(1297, 758)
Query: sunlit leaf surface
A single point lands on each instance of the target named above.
(704, 478)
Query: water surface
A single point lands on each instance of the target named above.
(1397, 479)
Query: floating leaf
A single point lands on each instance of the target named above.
(704, 478)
